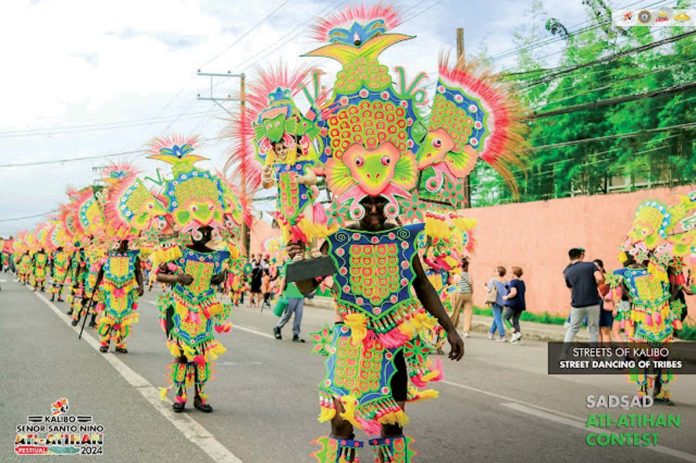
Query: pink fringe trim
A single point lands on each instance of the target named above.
(371, 427)
(394, 338)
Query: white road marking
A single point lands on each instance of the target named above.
(253, 331)
(189, 427)
(243, 364)
(581, 425)
(510, 399)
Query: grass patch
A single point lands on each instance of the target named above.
(545, 317)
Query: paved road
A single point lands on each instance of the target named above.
(498, 404)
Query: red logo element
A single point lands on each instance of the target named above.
(60, 406)
(31, 450)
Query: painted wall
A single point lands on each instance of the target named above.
(536, 236)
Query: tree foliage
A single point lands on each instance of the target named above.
(606, 163)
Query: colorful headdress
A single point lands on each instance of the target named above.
(130, 207)
(88, 209)
(473, 117)
(57, 237)
(373, 130)
(194, 197)
(660, 233)
(271, 116)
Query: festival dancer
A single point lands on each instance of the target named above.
(77, 279)
(380, 170)
(120, 280)
(23, 265)
(383, 327)
(659, 240)
(190, 312)
(60, 263)
(129, 209)
(39, 264)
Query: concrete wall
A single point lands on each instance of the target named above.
(536, 236)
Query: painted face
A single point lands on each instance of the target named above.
(281, 150)
(374, 169)
(433, 150)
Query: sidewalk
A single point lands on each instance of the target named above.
(481, 324)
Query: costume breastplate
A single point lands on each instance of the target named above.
(375, 269)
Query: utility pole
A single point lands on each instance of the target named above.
(461, 62)
(242, 105)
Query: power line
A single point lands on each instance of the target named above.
(86, 158)
(285, 39)
(612, 101)
(605, 87)
(16, 219)
(265, 18)
(608, 59)
(91, 127)
(611, 137)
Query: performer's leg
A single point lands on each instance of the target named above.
(394, 449)
(59, 291)
(77, 310)
(105, 331)
(179, 370)
(661, 391)
(202, 373)
(120, 339)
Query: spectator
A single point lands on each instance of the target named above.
(295, 306)
(256, 276)
(606, 306)
(498, 287)
(462, 299)
(515, 303)
(266, 288)
(582, 278)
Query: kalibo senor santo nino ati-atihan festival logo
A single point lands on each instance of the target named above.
(59, 433)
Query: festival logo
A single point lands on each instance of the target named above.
(59, 433)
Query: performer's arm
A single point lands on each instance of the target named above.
(163, 276)
(219, 278)
(431, 302)
(139, 277)
(100, 276)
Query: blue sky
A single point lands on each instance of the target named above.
(84, 78)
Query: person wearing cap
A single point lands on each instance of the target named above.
(582, 278)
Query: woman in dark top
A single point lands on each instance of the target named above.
(515, 303)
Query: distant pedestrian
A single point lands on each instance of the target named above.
(606, 306)
(497, 288)
(256, 276)
(462, 299)
(295, 306)
(515, 303)
(582, 278)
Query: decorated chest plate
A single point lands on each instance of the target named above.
(375, 269)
